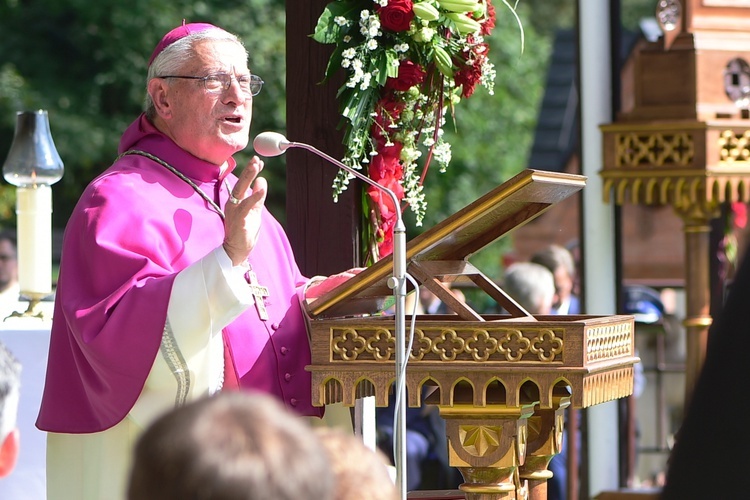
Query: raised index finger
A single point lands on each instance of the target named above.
(248, 175)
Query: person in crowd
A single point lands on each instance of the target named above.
(360, 473)
(531, 285)
(426, 442)
(175, 280)
(429, 303)
(231, 446)
(9, 288)
(427, 464)
(10, 384)
(560, 262)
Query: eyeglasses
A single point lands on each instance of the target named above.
(220, 82)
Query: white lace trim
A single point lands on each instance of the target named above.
(176, 363)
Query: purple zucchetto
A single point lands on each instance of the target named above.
(177, 34)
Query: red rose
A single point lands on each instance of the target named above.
(384, 236)
(386, 212)
(383, 201)
(387, 164)
(397, 15)
(409, 75)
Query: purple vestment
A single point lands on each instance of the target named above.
(133, 229)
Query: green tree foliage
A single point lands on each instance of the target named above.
(85, 63)
(491, 135)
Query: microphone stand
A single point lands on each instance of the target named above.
(397, 283)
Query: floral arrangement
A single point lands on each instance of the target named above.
(407, 63)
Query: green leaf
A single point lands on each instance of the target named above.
(348, 99)
(327, 31)
(381, 64)
(334, 63)
(392, 58)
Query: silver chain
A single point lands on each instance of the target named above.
(180, 175)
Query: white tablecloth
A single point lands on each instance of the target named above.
(28, 340)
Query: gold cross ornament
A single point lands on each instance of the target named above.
(259, 293)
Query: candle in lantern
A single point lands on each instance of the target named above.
(34, 214)
(33, 164)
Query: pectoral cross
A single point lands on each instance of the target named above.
(259, 293)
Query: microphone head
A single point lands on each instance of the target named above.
(270, 144)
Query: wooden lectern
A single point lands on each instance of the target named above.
(501, 382)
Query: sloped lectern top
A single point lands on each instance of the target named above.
(501, 382)
(442, 249)
(593, 355)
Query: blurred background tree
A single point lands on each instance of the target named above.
(85, 63)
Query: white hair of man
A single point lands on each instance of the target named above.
(554, 257)
(173, 57)
(531, 285)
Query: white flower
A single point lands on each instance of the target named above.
(487, 79)
(365, 81)
(364, 15)
(427, 34)
(442, 154)
(410, 154)
(341, 21)
(349, 53)
(372, 44)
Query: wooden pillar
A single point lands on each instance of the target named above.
(545, 437)
(488, 447)
(324, 234)
(697, 218)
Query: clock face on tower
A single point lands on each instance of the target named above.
(668, 14)
(737, 82)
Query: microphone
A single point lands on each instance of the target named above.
(275, 144)
(270, 144)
